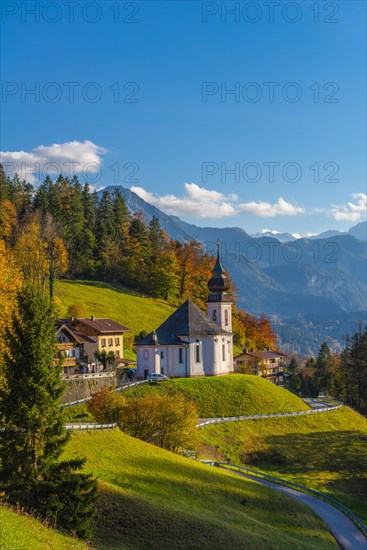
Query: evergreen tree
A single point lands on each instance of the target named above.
(323, 366)
(5, 185)
(33, 437)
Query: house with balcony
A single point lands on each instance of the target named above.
(71, 347)
(102, 334)
(269, 364)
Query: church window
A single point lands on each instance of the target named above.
(162, 355)
(223, 352)
(197, 353)
(214, 316)
(226, 317)
(180, 355)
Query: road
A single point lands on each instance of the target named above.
(341, 527)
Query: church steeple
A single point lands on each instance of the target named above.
(218, 284)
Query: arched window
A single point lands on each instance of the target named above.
(214, 315)
(226, 322)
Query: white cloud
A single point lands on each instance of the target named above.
(72, 157)
(196, 201)
(351, 211)
(205, 203)
(268, 210)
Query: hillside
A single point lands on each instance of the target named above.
(237, 394)
(20, 532)
(326, 451)
(133, 310)
(150, 498)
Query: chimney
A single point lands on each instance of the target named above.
(93, 318)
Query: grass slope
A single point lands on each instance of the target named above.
(21, 532)
(104, 300)
(151, 498)
(236, 394)
(326, 451)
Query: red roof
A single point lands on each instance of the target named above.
(102, 326)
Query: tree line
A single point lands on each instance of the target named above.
(63, 229)
(342, 376)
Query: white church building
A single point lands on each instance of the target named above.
(191, 343)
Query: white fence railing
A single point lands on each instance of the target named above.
(207, 422)
(79, 427)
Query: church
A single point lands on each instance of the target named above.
(191, 343)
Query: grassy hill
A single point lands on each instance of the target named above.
(236, 394)
(133, 310)
(21, 532)
(326, 451)
(151, 498)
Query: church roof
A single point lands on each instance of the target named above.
(187, 321)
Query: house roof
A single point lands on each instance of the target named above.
(187, 321)
(78, 336)
(261, 354)
(101, 326)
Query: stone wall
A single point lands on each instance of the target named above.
(80, 387)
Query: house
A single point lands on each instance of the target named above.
(102, 335)
(71, 346)
(269, 364)
(190, 342)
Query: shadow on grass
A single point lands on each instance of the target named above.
(117, 287)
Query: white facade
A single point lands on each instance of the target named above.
(206, 356)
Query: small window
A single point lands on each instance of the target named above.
(110, 342)
(223, 352)
(214, 316)
(117, 341)
(226, 317)
(103, 342)
(180, 355)
(117, 354)
(162, 355)
(197, 353)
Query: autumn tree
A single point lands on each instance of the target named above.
(163, 420)
(107, 406)
(76, 310)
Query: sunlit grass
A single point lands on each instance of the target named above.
(236, 394)
(22, 532)
(150, 498)
(327, 451)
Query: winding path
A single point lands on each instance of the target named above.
(341, 527)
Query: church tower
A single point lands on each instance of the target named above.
(219, 303)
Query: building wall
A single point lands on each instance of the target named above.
(211, 361)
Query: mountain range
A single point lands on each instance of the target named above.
(311, 283)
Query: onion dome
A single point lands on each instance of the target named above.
(218, 284)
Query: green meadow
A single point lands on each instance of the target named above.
(236, 394)
(150, 498)
(327, 451)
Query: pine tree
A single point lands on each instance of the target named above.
(33, 437)
(323, 366)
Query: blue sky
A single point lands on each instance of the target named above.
(150, 105)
